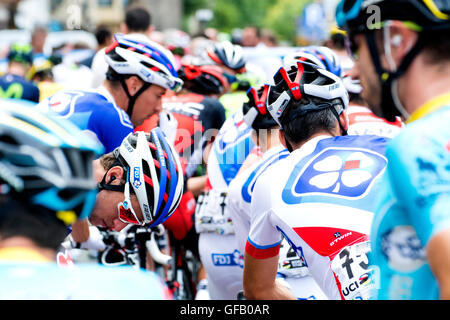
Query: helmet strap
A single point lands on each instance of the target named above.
(132, 99)
(390, 106)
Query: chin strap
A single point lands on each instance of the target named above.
(132, 99)
(390, 104)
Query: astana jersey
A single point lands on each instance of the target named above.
(322, 200)
(415, 204)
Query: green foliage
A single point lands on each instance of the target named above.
(278, 15)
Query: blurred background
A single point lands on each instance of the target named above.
(73, 30)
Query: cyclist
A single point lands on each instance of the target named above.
(230, 58)
(240, 191)
(219, 255)
(138, 76)
(14, 83)
(361, 120)
(320, 198)
(402, 62)
(46, 184)
(41, 73)
(195, 118)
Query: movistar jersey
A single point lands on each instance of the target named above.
(415, 204)
(94, 112)
(16, 87)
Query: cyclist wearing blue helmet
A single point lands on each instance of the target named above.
(401, 50)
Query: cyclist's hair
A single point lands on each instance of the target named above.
(302, 128)
(21, 220)
(437, 47)
(338, 41)
(138, 19)
(108, 161)
(102, 34)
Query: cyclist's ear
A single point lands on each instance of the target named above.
(134, 84)
(115, 176)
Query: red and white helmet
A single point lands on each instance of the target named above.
(154, 171)
(135, 55)
(300, 80)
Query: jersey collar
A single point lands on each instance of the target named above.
(18, 254)
(431, 106)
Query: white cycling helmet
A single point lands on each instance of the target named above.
(139, 56)
(227, 54)
(154, 171)
(321, 56)
(301, 80)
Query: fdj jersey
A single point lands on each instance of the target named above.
(94, 112)
(16, 87)
(321, 199)
(230, 149)
(414, 207)
(199, 118)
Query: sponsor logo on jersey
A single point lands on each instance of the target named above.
(403, 249)
(339, 172)
(227, 259)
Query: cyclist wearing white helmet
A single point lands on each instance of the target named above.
(361, 120)
(292, 268)
(140, 183)
(45, 185)
(321, 197)
(138, 76)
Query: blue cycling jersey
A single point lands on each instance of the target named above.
(94, 112)
(47, 281)
(415, 205)
(16, 87)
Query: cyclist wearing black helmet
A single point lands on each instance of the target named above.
(401, 50)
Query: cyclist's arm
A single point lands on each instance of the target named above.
(80, 231)
(196, 184)
(438, 254)
(259, 280)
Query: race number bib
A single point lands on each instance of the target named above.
(290, 263)
(211, 213)
(351, 267)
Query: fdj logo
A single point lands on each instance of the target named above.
(137, 177)
(226, 259)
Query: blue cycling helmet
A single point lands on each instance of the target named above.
(47, 161)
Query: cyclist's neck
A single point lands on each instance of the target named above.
(423, 82)
(22, 243)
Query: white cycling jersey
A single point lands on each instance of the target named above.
(362, 121)
(291, 267)
(321, 199)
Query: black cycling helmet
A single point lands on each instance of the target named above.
(227, 54)
(203, 79)
(422, 16)
(255, 111)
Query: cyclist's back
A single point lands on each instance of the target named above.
(94, 112)
(322, 199)
(23, 281)
(399, 237)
